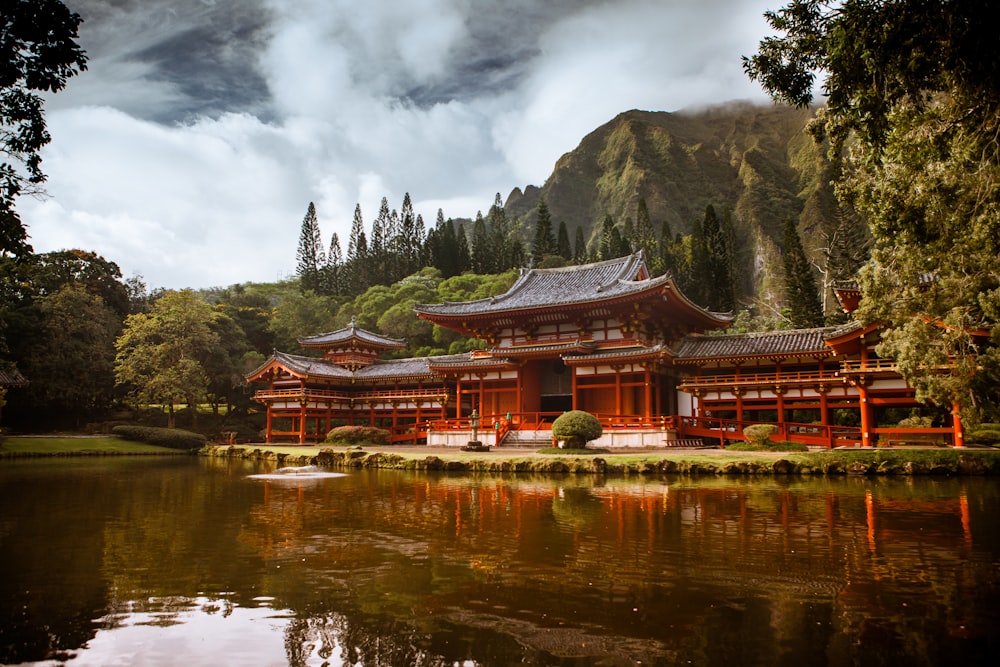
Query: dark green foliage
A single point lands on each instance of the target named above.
(804, 306)
(577, 428)
(310, 257)
(173, 438)
(38, 54)
(545, 240)
(912, 117)
(643, 237)
(768, 446)
(984, 434)
(759, 435)
(579, 247)
(562, 244)
(357, 435)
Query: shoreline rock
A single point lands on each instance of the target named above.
(881, 462)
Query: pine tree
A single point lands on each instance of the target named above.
(545, 241)
(483, 257)
(380, 241)
(357, 256)
(464, 254)
(644, 238)
(667, 253)
(310, 258)
(606, 249)
(563, 248)
(718, 276)
(579, 247)
(804, 306)
(407, 248)
(334, 267)
(498, 230)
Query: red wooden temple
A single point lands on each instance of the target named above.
(609, 339)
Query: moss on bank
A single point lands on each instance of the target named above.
(838, 462)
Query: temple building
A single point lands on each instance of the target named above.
(607, 338)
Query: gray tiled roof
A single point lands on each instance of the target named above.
(759, 344)
(311, 366)
(570, 284)
(12, 378)
(617, 353)
(348, 333)
(382, 369)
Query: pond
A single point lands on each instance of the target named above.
(193, 561)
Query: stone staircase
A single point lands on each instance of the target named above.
(527, 440)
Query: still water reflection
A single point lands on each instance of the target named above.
(194, 562)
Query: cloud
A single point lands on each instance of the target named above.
(189, 150)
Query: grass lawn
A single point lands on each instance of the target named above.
(55, 445)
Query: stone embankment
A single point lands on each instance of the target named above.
(851, 462)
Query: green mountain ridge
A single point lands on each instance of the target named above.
(756, 160)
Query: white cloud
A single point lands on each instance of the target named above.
(190, 149)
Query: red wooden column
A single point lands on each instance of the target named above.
(648, 387)
(572, 379)
(866, 413)
(958, 431)
(618, 390)
(302, 422)
(270, 422)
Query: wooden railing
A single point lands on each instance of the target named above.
(796, 377)
(868, 366)
(813, 434)
(732, 429)
(328, 395)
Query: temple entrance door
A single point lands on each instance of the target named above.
(556, 403)
(556, 388)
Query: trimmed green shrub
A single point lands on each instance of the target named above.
(759, 434)
(576, 428)
(767, 446)
(173, 438)
(356, 435)
(984, 436)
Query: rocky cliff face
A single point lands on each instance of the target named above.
(757, 161)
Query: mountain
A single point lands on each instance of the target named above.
(757, 161)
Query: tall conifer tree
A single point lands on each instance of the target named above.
(804, 306)
(310, 257)
(545, 240)
(562, 244)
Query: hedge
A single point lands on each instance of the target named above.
(174, 438)
(356, 435)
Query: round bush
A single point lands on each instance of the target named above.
(357, 435)
(759, 434)
(576, 428)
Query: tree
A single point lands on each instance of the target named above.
(913, 115)
(484, 259)
(38, 54)
(804, 306)
(563, 247)
(545, 240)
(160, 355)
(357, 256)
(71, 359)
(719, 277)
(579, 246)
(576, 428)
(644, 236)
(310, 257)
(334, 267)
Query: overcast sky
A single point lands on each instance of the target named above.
(190, 149)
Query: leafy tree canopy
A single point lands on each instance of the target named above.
(38, 53)
(913, 116)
